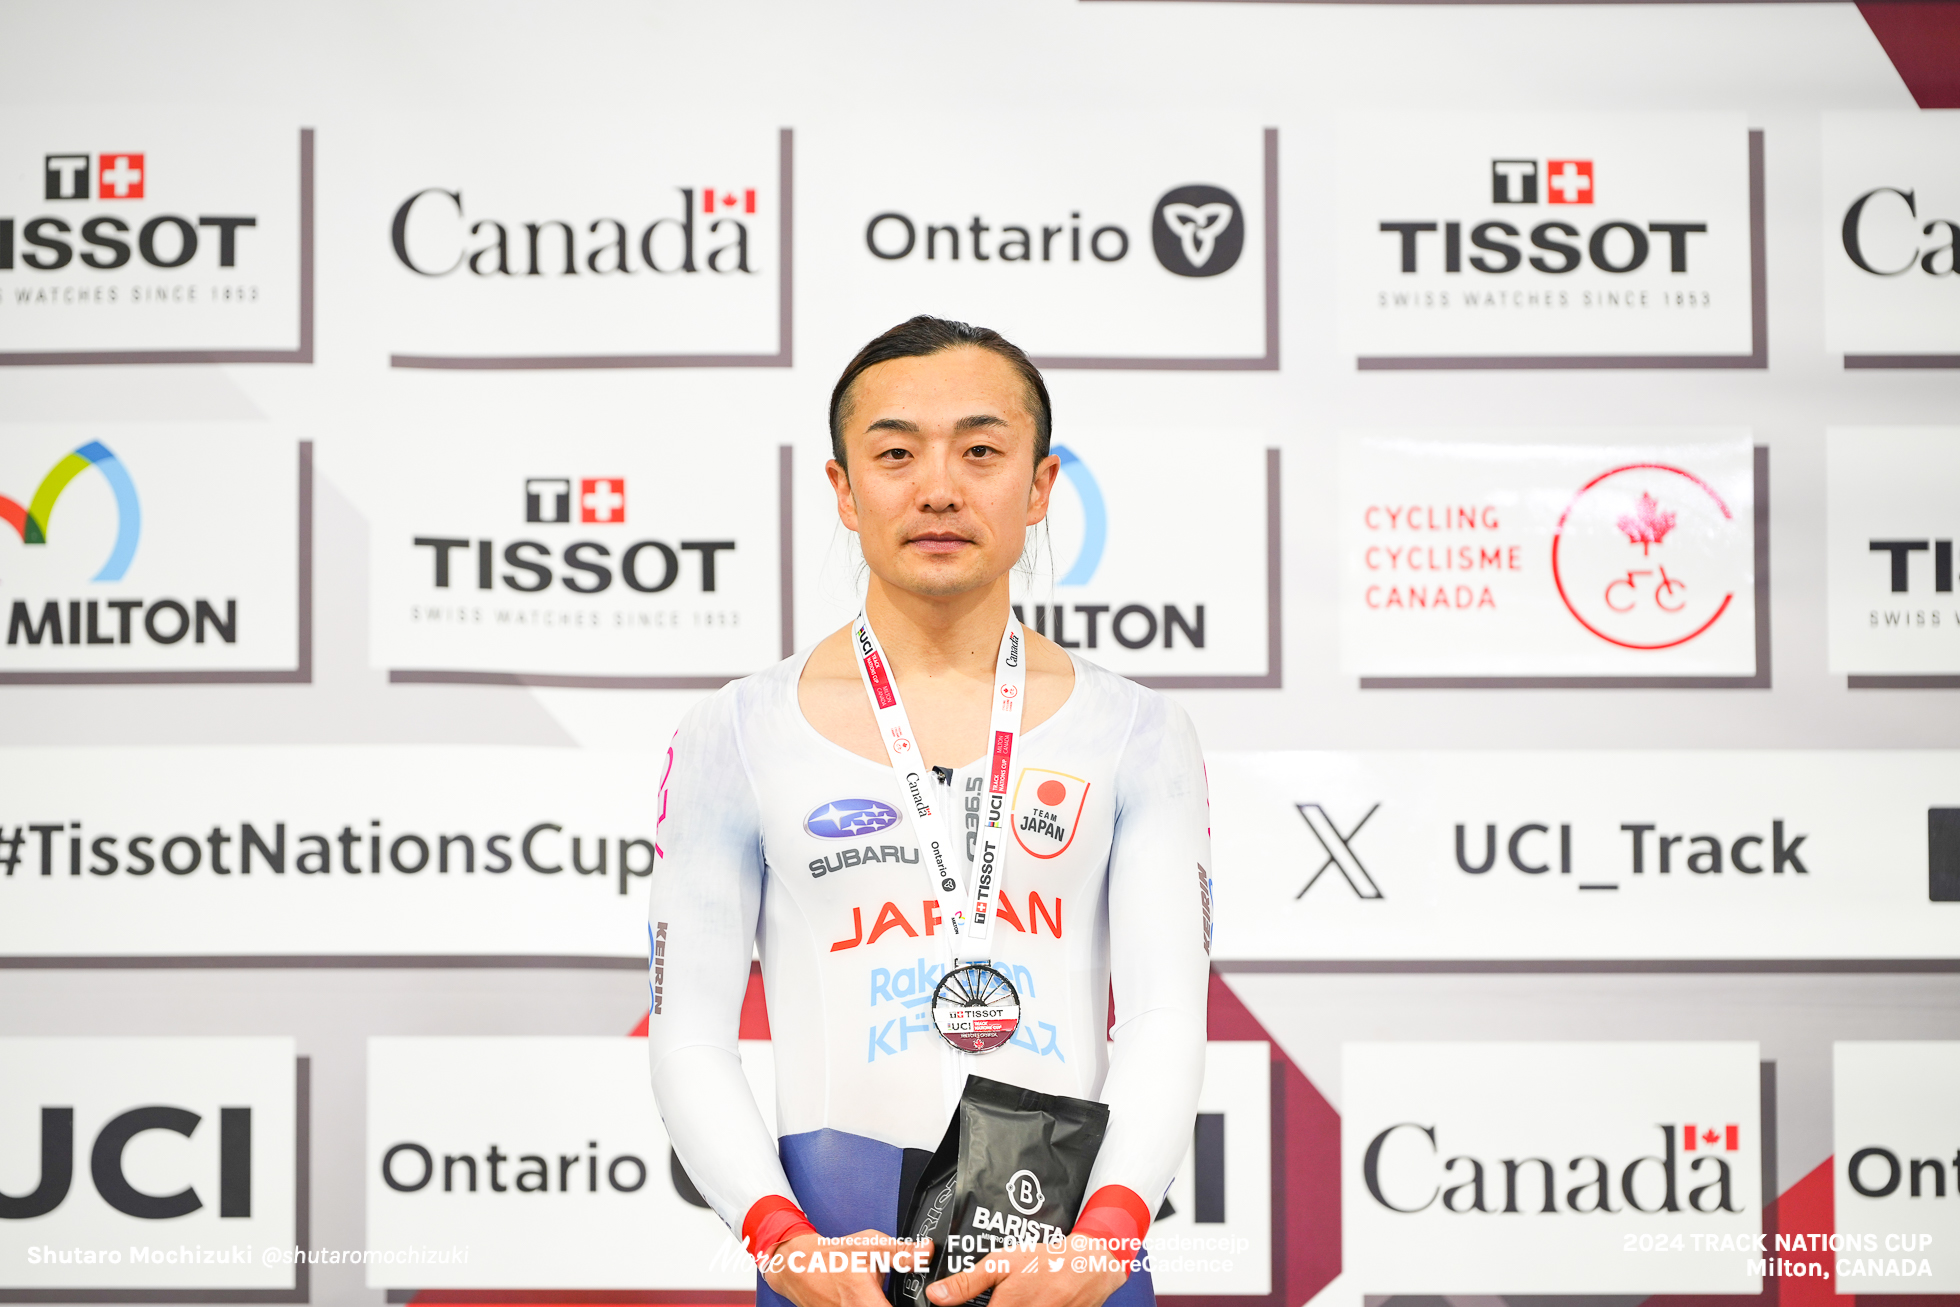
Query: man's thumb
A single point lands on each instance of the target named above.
(966, 1285)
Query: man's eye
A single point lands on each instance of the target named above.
(896, 454)
(981, 451)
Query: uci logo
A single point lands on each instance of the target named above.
(234, 1147)
(1198, 231)
(1024, 1192)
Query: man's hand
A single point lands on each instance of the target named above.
(1081, 1273)
(812, 1271)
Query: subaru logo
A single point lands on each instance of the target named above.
(844, 819)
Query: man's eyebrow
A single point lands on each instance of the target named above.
(979, 420)
(894, 424)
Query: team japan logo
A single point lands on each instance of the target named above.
(1640, 555)
(1047, 809)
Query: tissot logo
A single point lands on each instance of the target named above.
(195, 247)
(1890, 532)
(601, 500)
(1901, 552)
(604, 565)
(1630, 242)
(66, 177)
(585, 566)
(1515, 181)
(166, 240)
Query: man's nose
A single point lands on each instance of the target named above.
(937, 493)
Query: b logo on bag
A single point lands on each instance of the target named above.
(1024, 1192)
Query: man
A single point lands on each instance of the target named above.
(1057, 832)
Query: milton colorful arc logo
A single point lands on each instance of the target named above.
(33, 521)
(1095, 518)
(1134, 626)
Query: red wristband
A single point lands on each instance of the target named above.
(773, 1219)
(1114, 1212)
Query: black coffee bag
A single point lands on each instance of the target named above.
(1013, 1168)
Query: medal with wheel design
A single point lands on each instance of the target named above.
(976, 1008)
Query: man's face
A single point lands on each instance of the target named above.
(942, 484)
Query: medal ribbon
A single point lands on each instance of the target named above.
(973, 923)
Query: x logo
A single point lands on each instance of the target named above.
(1339, 855)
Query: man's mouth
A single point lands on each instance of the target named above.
(939, 542)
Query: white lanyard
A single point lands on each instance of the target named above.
(975, 922)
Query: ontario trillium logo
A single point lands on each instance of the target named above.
(1198, 231)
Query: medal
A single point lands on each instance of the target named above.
(975, 1008)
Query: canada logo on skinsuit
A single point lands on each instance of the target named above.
(1047, 808)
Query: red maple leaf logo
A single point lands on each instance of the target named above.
(1646, 525)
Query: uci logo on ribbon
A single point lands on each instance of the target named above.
(32, 522)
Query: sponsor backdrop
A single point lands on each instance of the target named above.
(1523, 439)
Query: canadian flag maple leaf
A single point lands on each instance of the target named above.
(1707, 1138)
(1647, 525)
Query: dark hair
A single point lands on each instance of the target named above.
(923, 335)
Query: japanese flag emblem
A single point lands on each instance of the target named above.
(1047, 808)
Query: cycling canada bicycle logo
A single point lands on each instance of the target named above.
(1640, 553)
(33, 520)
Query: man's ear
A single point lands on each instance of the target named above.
(840, 485)
(1045, 473)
